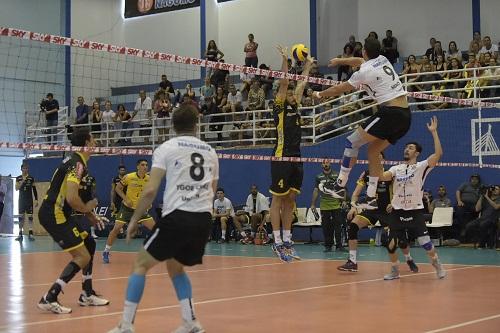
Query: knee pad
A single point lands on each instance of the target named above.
(403, 243)
(352, 144)
(90, 244)
(352, 231)
(425, 242)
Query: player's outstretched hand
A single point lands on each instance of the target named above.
(334, 62)
(432, 126)
(133, 226)
(283, 51)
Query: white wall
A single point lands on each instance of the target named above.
(336, 21)
(414, 22)
(490, 22)
(212, 23)
(284, 22)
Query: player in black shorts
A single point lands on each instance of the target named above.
(370, 217)
(25, 184)
(62, 198)
(378, 78)
(116, 200)
(286, 177)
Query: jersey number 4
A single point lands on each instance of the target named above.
(196, 171)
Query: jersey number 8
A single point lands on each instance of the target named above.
(196, 171)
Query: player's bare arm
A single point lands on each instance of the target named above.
(438, 150)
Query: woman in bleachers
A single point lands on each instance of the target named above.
(213, 54)
(96, 116)
(162, 109)
(108, 120)
(122, 119)
(347, 70)
(455, 64)
(413, 68)
(440, 65)
(454, 52)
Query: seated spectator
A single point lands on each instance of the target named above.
(440, 65)
(373, 35)
(96, 116)
(108, 121)
(488, 47)
(476, 47)
(454, 52)
(406, 67)
(266, 82)
(314, 72)
(483, 229)
(413, 68)
(166, 85)
(352, 41)
(441, 201)
(438, 51)
(162, 109)
(476, 39)
(82, 112)
(189, 92)
(219, 117)
(467, 196)
(123, 122)
(256, 213)
(219, 76)
(234, 100)
(256, 97)
(208, 110)
(427, 199)
(358, 50)
(207, 91)
(222, 214)
(347, 70)
(430, 50)
(390, 47)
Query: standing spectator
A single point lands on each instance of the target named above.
(476, 38)
(430, 50)
(162, 110)
(212, 54)
(331, 208)
(219, 76)
(166, 85)
(51, 108)
(96, 116)
(108, 121)
(348, 53)
(352, 41)
(488, 47)
(222, 213)
(441, 201)
(3, 193)
(82, 112)
(143, 107)
(454, 52)
(207, 91)
(390, 47)
(467, 196)
(358, 50)
(123, 122)
(250, 49)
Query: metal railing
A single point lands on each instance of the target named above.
(256, 128)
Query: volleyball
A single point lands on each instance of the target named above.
(300, 52)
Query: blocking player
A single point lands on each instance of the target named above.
(179, 238)
(392, 121)
(134, 182)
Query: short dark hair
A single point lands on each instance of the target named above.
(121, 166)
(417, 145)
(50, 95)
(139, 161)
(80, 136)
(372, 48)
(185, 118)
(220, 189)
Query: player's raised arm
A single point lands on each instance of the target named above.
(284, 68)
(438, 150)
(299, 90)
(351, 61)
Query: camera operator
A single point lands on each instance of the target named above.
(489, 206)
(50, 107)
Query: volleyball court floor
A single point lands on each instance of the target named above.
(242, 288)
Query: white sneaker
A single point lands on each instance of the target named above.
(190, 327)
(92, 300)
(393, 275)
(440, 272)
(54, 307)
(123, 328)
(94, 236)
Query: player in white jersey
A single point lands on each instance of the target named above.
(407, 206)
(179, 238)
(222, 213)
(392, 121)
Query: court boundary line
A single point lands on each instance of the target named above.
(465, 323)
(227, 299)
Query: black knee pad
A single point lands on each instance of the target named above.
(90, 244)
(403, 243)
(352, 231)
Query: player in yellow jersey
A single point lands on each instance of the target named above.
(134, 182)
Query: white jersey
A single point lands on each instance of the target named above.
(379, 79)
(191, 166)
(408, 185)
(223, 206)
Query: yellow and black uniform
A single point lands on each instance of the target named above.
(86, 192)
(286, 176)
(118, 200)
(26, 193)
(384, 195)
(134, 186)
(55, 212)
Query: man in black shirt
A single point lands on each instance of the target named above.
(50, 107)
(166, 85)
(390, 47)
(25, 184)
(116, 200)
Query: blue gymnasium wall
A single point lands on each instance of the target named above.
(237, 176)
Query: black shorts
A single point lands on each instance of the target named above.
(68, 235)
(411, 221)
(390, 123)
(372, 216)
(25, 207)
(83, 224)
(180, 235)
(286, 177)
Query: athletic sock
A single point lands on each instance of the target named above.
(135, 288)
(408, 257)
(223, 234)
(184, 293)
(277, 237)
(352, 255)
(67, 274)
(343, 176)
(287, 236)
(371, 191)
(107, 248)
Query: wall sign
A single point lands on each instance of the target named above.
(134, 8)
